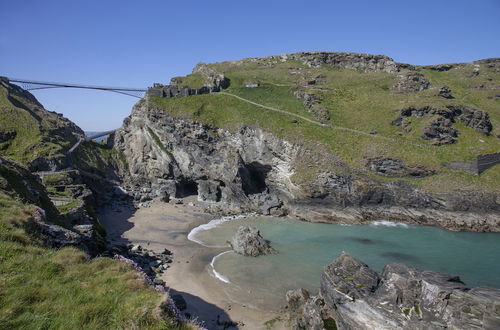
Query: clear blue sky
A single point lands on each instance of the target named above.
(135, 43)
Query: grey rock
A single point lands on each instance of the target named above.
(440, 131)
(411, 81)
(406, 298)
(296, 298)
(396, 168)
(60, 236)
(248, 242)
(474, 118)
(347, 279)
(313, 103)
(209, 191)
(352, 61)
(445, 92)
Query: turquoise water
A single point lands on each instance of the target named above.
(305, 248)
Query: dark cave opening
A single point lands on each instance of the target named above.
(253, 177)
(187, 188)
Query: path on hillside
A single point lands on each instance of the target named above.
(307, 119)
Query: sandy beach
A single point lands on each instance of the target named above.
(163, 225)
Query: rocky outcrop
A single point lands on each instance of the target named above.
(474, 118)
(397, 168)
(306, 312)
(347, 279)
(354, 61)
(440, 129)
(404, 297)
(238, 171)
(411, 81)
(248, 242)
(313, 104)
(445, 92)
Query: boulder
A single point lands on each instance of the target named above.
(411, 81)
(248, 242)
(440, 131)
(209, 191)
(445, 92)
(347, 279)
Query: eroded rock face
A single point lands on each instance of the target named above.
(405, 298)
(396, 168)
(411, 81)
(474, 118)
(251, 170)
(248, 242)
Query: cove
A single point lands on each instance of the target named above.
(306, 248)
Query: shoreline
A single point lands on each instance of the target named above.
(163, 225)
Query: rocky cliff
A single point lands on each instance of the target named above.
(251, 169)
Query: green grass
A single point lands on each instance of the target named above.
(356, 100)
(42, 288)
(31, 126)
(96, 158)
(59, 178)
(65, 208)
(194, 80)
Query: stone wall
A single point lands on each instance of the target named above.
(484, 162)
(478, 165)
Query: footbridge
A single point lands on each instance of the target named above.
(32, 85)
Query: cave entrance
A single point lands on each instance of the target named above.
(253, 177)
(187, 188)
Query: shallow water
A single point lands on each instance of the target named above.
(305, 248)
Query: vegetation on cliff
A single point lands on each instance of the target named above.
(47, 288)
(41, 286)
(361, 107)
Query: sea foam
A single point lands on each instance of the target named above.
(212, 224)
(217, 274)
(386, 223)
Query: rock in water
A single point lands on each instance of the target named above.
(403, 297)
(347, 279)
(248, 242)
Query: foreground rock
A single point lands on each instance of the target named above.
(248, 242)
(401, 297)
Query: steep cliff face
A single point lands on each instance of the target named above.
(31, 134)
(245, 171)
(253, 170)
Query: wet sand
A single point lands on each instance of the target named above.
(165, 225)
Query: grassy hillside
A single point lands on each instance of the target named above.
(44, 288)
(28, 131)
(362, 101)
